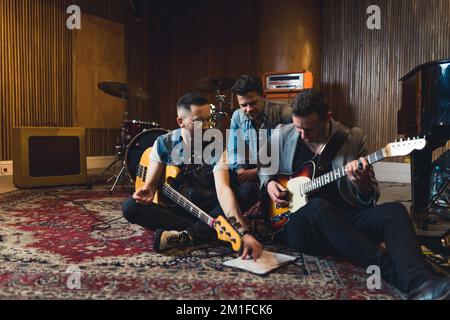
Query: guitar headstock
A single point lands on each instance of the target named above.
(405, 147)
(226, 232)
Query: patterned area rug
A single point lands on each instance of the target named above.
(47, 240)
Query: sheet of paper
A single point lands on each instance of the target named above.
(266, 263)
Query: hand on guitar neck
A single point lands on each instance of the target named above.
(359, 174)
(304, 182)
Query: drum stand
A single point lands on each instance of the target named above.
(218, 115)
(113, 165)
(120, 153)
(117, 177)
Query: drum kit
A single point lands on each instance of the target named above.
(136, 136)
(216, 85)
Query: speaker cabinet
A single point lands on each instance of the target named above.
(48, 156)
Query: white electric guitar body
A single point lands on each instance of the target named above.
(303, 182)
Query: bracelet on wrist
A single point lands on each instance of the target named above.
(243, 233)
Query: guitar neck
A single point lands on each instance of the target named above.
(183, 202)
(339, 173)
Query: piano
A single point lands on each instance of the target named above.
(425, 111)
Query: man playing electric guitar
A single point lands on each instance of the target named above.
(342, 218)
(206, 185)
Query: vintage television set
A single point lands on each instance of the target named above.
(45, 156)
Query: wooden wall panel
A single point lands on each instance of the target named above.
(137, 33)
(289, 36)
(101, 141)
(34, 58)
(36, 86)
(194, 39)
(361, 67)
(99, 55)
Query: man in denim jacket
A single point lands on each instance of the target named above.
(253, 121)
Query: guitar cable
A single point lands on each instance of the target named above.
(99, 226)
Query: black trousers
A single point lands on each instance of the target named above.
(154, 216)
(319, 229)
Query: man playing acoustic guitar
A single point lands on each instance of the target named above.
(206, 185)
(341, 217)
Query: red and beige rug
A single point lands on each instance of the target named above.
(47, 242)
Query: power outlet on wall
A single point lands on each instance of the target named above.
(5, 169)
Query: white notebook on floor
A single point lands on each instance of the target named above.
(266, 263)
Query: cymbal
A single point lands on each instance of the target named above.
(123, 90)
(211, 84)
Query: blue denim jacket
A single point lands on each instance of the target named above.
(242, 128)
(165, 144)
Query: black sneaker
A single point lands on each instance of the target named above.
(165, 240)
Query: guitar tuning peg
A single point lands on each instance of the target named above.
(395, 140)
(236, 225)
(408, 139)
(401, 139)
(232, 219)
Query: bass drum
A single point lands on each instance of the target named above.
(137, 146)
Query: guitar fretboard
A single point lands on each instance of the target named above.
(179, 199)
(334, 175)
(176, 197)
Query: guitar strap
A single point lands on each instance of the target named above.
(332, 148)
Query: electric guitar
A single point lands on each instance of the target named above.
(223, 227)
(303, 182)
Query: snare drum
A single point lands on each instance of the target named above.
(137, 146)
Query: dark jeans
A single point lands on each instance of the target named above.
(319, 229)
(154, 216)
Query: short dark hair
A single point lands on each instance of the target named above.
(309, 101)
(246, 84)
(191, 98)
